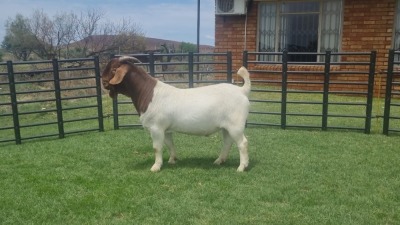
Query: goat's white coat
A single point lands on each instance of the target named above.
(199, 111)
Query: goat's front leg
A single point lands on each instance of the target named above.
(158, 140)
(171, 147)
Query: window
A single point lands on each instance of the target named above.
(307, 26)
(397, 28)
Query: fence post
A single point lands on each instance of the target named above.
(245, 58)
(229, 67)
(325, 98)
(151, 64)
(115, 105)
(57, 92)
(388, 95)
(98, 93)
(284, 88)
(190, 61)
(370, 94)
(14, 103)
(115, 112)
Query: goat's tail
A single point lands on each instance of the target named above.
(246, 77)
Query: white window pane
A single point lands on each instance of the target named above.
(267, 28)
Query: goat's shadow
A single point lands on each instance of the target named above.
(205, 163)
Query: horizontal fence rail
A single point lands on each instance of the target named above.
(391, 120)
(49, 98)
(186, 70)
(277, 83)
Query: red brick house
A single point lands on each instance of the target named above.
(310, 26)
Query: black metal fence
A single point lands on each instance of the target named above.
(340, 96)
(391, 122)
(276, 101)
(50, 98)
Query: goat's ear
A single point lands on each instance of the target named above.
(119, 74)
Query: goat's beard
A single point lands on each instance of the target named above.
(112, 93)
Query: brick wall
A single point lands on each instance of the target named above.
(367, 26)
(230, 34)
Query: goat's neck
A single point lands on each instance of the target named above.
(140, 88)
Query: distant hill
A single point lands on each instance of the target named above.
(153, 44)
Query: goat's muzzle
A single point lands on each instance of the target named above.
(106, 84)
(110, 88)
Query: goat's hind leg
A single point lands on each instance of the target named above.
(171, 147)
(243, 152)
(228, 141)
(238, 136)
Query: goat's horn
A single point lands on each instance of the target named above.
(129, 59)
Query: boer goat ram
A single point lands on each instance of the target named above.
(198, 111)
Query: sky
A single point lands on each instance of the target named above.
(165, 19)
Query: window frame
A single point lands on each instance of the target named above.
(396, 27)
(278, 17)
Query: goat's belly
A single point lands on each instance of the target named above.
(194, 129)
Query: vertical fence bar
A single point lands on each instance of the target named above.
(14, 103)
(229, 67)
(151, 64)
(57, 92)
(197, 62)
(284, 88)
(98, 93)
(115, 106)
(115, 112)
(325, 97)
(245, 58)
(190, 64)
(388, 95)
(370, 94)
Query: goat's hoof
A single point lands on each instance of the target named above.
(172, 160)
(219, 161)
(241, 168)
(155, 168)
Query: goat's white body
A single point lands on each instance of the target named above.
(198, 111)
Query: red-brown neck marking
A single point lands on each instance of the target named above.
(139, 86)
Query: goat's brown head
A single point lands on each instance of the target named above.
(115, 72)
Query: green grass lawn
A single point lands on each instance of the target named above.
(295, 177)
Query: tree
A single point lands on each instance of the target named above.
(188, 47)
(96, 38)
(86, 35)
(65, 24)
(45, 33)
(19, 40)
(71, 35)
